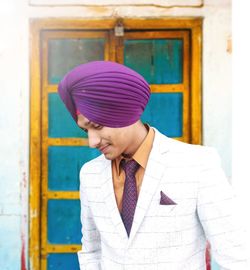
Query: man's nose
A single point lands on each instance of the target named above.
(94, 139)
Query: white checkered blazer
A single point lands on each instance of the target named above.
(163, 237)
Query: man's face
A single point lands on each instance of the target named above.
(112, 142)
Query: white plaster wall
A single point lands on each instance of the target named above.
(241, 111)
(14, 101)
(13, 145)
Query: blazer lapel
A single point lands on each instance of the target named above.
(110, 201)
(153, 174)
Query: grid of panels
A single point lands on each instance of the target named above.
(64, 148)
(162, 58)
(62, 162)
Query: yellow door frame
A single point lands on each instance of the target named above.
(37, 26)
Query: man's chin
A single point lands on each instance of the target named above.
(109, 156)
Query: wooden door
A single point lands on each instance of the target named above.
(64, 146)
(162, 58)
(59, 148)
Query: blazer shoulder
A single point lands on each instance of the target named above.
(201, 155)
(190, 153)
(93, 166)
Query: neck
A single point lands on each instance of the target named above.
(137, 137)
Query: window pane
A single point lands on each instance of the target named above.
(64, 164)
(64, 226)
(159, 61)
(164, 111)
(64, 54)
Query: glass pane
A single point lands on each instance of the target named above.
(64, 54)
(61, 123)
(164, 111)
(64, 226)
(65, 261)
(64, 164)
(159, 61)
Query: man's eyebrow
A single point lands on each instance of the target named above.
(89, 123)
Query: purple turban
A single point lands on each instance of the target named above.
(107, 93)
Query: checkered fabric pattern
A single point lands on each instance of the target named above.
(171, 236)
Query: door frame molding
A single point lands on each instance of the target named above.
(194, 25)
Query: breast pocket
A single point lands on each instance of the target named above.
(166, 210)
(166, 225)
(165, 218)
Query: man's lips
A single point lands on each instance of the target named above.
(103, 147)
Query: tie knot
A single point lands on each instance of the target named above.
(130, 167)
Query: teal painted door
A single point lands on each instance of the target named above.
(64, 147)
(162, 57)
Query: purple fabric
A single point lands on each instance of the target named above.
(129, 199)
(165, 200)
(107, 93)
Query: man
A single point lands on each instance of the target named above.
(148, 202)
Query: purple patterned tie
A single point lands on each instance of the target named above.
(129, 198)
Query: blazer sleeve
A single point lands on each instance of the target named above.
(90, 254)
(217, 210)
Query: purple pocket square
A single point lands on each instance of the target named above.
(165, 200)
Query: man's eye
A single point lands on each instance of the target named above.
(85, 130)
(98, 127)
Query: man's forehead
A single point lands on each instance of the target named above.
(82, 118)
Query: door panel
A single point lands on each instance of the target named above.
(64, 164)
(159, 61)
(64, 54)
(63, 222)
(60, 124)
(170, 121)
(62, 261)
(63, 50)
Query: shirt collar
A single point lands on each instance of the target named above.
(142, 153)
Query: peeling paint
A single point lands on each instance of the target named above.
(23, 257)
(23, 200)
(24, 182)
(33, 214)
(167, 3)
(98, 9)
(229, 45)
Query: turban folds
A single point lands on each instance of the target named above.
(106, 93)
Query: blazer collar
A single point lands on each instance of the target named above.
(153, 174)
(152, 177)
(110, 201)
